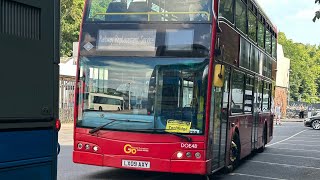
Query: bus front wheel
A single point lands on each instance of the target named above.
(264, 140)
(234, 152)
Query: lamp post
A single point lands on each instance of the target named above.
(289, 70)
(129, 96)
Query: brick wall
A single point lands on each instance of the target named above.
(281, 96)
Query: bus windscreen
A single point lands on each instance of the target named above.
(143, 93)
(149, 10)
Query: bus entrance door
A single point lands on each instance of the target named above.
(256, 114)
(219, 116)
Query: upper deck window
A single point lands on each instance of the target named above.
(241, 16)
(226, 9)
(148, 10)
(261, 32)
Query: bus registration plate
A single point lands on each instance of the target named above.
(136, 164)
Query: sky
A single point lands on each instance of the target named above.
(294, 18)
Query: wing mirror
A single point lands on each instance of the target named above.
(218, 76)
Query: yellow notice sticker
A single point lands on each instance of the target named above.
(178, 126)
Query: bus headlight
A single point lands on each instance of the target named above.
(179, 155)
(95, 148)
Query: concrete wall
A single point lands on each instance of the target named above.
(283, 67)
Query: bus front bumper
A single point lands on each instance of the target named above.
(152, 164)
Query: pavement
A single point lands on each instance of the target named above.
(292, 120)
(66, 134)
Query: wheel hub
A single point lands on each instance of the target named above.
(234, 151)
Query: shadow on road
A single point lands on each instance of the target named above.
(123, 174)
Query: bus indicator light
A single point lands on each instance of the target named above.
(58, 124)
(188, 154)
(198, 155)
(87, 146)
(79, 145)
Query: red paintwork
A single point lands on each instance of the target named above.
(135, 137)
(156, 164)
(87, 158)
(155, 146)
(244, 124)
(159, 149)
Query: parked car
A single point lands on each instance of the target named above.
(313, 121)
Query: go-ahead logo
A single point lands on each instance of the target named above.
(129, 149)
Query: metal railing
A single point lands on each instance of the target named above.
(154, 13)
(66, 98)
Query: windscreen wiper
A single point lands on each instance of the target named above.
(179, 135)
(167, 132)
(112, 121)
(100, 127)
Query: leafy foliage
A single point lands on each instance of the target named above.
(305, 69)
(71, 17)
(98, 6)
(317, 16)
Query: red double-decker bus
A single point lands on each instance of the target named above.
(195, 79)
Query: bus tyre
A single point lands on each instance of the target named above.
(207, 177)
(234, 153)
(264, 140)
(100, 108)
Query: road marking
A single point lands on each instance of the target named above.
(286, 138)
(285, 165)
(287, 155)
(249, 175)
(291, 140)
(301, 145)
(297, 149)
(306, 138)
(307, 135)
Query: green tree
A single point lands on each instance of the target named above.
(71, 16)
(98, 6)
(305, 69)
(317, 16)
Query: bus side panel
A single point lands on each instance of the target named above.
(26, 145)
(39, 171)
(26, 65)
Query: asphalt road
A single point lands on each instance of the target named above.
(294, 153)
